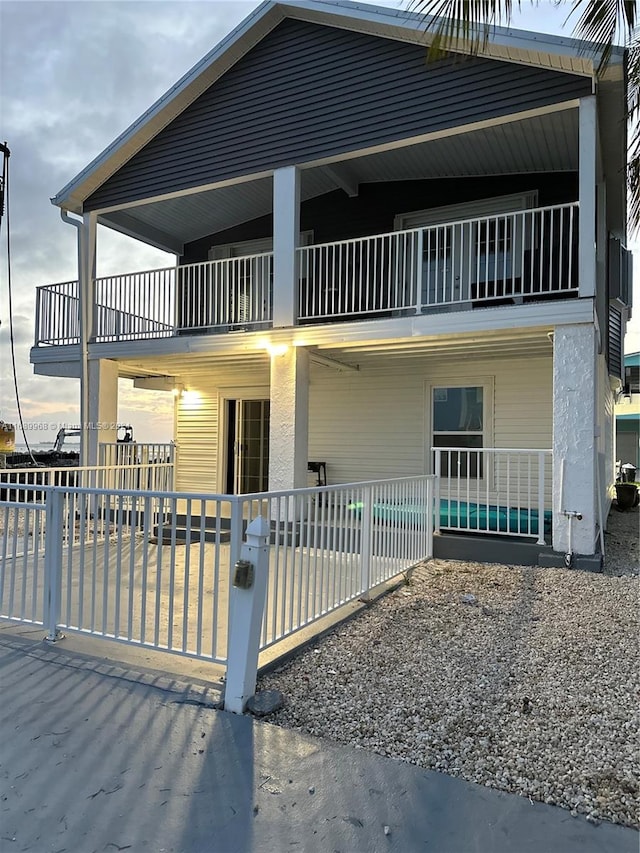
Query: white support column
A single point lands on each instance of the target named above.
(103, 405)
(574, 441)
(286, 235)
(289, 419)
(86, 299)
(587, 196)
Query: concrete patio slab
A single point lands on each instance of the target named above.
(95, 757)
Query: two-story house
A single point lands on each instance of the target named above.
(377, 257)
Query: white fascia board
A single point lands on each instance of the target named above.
(511, 45)
(503, 42)
(539, 314)
(66, 369)
(544, 315)
(51, 355)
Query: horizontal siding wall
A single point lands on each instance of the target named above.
(373, 424)
(198, 422)
(197, 439)
(308, 91)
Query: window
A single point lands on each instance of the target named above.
(458, 420)
(479, 254)
(247, 285)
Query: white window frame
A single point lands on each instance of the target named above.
(457, 269)
(492, 206)
(488, 407)
(245, 248)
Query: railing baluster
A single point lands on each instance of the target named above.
(359, 276)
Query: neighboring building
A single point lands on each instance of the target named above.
(376, 256)
(628, 414)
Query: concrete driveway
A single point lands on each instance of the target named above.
(101, 757)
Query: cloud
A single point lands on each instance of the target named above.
(73, 76)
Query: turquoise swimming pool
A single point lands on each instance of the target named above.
(466, 515)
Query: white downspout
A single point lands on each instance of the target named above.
(571, 515)
(84, 341)
(599, 504)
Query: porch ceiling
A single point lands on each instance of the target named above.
(544, 143)
(524, 343)
(513, 344)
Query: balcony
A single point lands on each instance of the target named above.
(511, 258)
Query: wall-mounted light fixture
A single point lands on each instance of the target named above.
(276, 349)
(190, 399)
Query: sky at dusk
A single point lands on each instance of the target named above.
(73, 76)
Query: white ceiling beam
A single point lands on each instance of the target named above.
(343, 178)
(325, 361)
(155, 383)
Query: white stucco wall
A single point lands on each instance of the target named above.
(103, 405)
(575, 385)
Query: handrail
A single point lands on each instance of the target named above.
(444, 224)
(512, 256)
(502, 258)
(501, 490)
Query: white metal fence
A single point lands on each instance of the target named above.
(334, 544)
(230, 293)
(137, 453)
(155, 568)
(22, 548)
(503, 491)
(57, 314)
(124, 473)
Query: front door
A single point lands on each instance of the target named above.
(247, 446)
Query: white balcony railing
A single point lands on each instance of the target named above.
(57, 315)
(232, 293)
(501, 491)
(512, 257)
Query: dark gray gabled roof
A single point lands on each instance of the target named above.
(549, 52)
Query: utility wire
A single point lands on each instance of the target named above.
(5, 198)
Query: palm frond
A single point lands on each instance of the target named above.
(633, 185)
(462, 21)
(604, 22)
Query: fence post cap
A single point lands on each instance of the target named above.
(259, 528)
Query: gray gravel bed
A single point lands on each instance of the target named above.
(521, 679)
(622, 543)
